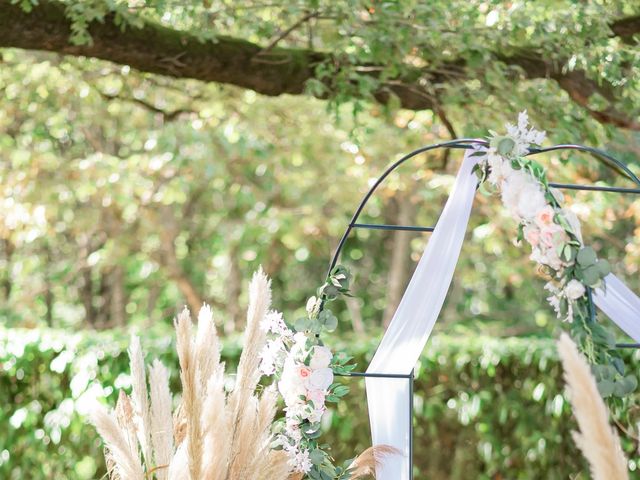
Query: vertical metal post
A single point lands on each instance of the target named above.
(411, 377)
(592, 308)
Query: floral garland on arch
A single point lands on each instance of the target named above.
(555, 237)
(304, 370)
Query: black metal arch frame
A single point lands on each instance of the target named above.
(466, 144)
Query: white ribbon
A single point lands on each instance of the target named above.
(413, 321)
(620, 304)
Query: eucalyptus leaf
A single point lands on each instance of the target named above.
(302, 324)
(604, 267)
(586, 256)
(505, 146)
(331, 323)
(591, 275)
(606, 388)
(316, 456)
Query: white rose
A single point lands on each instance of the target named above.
(320, 379)
(531, 200)
(499, 168)
(574, 290)
(291, 385)
(320, 357)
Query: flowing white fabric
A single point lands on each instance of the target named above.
(620, 304)
(412, 323)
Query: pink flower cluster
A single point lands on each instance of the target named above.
(305, 375)
(524, 198)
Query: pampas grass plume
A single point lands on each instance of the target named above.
(140, 397)
(125, 464)
(598, 442)
(161, 418)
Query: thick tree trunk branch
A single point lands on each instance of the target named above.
(158, 49)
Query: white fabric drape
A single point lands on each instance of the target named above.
(620, 304)
(409, 330)
(413, 321)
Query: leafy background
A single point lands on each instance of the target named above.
(125, 195)
(496, 406)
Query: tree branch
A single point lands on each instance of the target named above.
(288, 31)
(157, 49)
(166, 116)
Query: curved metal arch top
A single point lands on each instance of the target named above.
(469, 143)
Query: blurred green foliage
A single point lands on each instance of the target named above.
(494, 406)
(115, 212)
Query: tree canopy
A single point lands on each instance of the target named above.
(420, 55)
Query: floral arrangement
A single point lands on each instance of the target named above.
(554, 234)
(304, 369)
(217, 432)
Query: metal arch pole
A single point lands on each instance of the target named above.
(610, 161)
(458, 143)
(411, 381)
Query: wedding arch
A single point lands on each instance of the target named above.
(390, 375)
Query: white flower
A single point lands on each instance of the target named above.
(554, 300)
(547, 257)
(574, 290)
(296, 413)
(299, 347)
(500, 169)
(274, 323)
(523, 135)
(291, 385)
(301, 461)
(531, 200)
(320, 357)
(316, 415)
(320, 379)
(317, 397)
(522, 195)
(270, 356)
(552, 259)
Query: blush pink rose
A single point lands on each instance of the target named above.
(532, 235)
(303, 372)
(544, 216)
(317, 397)
(553, 235)
(320, 379)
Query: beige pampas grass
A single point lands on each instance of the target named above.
(140, 397)
(213, 434)
(161, 419)
(365, 464)
(598, 442)
(191, 393)
(126, 465)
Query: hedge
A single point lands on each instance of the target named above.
(485, 408)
